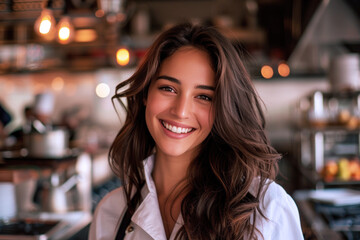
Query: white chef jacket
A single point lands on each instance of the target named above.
(146, 224)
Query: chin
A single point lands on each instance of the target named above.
(176, 151)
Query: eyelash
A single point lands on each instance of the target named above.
(205, 98)
(170, 89)
(167, 89)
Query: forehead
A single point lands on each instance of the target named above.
(188, 62)
(186, 51)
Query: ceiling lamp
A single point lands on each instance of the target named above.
(45, 24)
(65, 30)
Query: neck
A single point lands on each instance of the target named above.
(169, 172)
(169, 176)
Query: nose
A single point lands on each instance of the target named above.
(182, 106)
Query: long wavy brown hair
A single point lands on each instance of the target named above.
(217, 204)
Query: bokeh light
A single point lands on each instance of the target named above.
(45, 25)
(85, 35)
(65, 30)
(284, 70)
(64, 33)
(267, 72)
(57, 84)
(102, 90)
(122, 56)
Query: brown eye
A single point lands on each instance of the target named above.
(204, 97)
(167, 89)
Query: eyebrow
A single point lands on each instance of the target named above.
(171, 79)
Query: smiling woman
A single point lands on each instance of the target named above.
(193, 155)
(179, 112)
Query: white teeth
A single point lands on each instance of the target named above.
(176, 129)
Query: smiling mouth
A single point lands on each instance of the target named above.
(175, 129)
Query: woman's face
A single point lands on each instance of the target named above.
(179, 112)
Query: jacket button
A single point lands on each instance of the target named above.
(130, 229)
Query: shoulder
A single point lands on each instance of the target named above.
(282, 220)
(113, 201)
(107, 214)
(274, 193)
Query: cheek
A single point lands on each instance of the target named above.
(155, 105)
(157, 102)
(150, 119)
(207, 119)
(149, 110)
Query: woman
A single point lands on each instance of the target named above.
(192, 155)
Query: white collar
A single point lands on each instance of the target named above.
(149, 210)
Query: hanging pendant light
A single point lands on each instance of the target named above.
(65, 30)
(45, 25)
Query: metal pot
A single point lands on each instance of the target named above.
(52, 143)
(344, 72)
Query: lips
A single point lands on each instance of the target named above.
(176, 129)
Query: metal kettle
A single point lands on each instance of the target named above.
(56, 199)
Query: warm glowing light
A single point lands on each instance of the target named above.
(284, 70)
(267, 72)
(122, 56)
(85, 35)
(65, 31)
(45, 25)
(57, 84)
(102, 90)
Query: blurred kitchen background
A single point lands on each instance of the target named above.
(60, 61)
